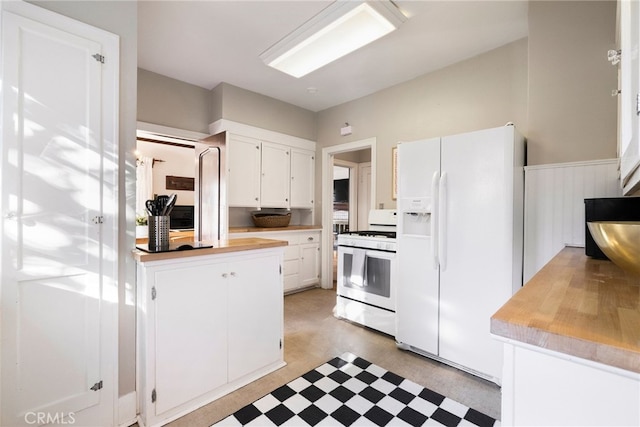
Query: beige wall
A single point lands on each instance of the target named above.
(243, 106)
(173, 103)
(572, 115)
(120, 18)
(170, 160)
(485, 91)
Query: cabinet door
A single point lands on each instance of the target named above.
(191, 333)
(255, 314)
(629, 76)
(302, 178)
(58, 265)
(275, 175)
(243, 183)
(309, 264)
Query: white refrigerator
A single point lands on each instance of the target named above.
(459, 244)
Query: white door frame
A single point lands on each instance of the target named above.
(362, 218)
(353, 190)
(326, 276)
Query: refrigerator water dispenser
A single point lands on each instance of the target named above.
(416, 224)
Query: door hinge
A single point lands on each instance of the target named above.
(153, 396)
(98, 219)
(98, 58)
(154, 294)
(280, 266)
(97, 386)
(281, 344)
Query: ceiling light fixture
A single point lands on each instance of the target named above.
(337, 30)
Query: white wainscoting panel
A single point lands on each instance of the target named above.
(554, 206)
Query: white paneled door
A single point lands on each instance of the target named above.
(59, 206)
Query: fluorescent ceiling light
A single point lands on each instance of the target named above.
(339, 29)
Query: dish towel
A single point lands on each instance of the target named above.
(357, 267)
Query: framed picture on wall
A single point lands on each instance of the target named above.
(394, 173)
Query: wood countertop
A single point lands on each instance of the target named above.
(578, 306)
(288, 228)
(219, 247)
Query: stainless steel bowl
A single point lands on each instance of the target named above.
(620, 241)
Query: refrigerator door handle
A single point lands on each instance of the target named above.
(434, 217)
(442, 221)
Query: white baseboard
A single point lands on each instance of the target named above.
(127, 409)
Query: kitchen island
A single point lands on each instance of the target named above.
(572, 345)
(210, 321)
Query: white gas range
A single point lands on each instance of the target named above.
(366, 276)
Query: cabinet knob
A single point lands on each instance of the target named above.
(225, 275)
(309, 238)
(233, 274)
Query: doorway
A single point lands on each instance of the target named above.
(356, 157)
(351, 195)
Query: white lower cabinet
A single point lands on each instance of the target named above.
(309, 264)
(207, 326)
(191, 333)
(301, 267)
(255, 316)
(546, 388)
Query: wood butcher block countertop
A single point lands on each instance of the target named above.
(578, 306)
(219, 247)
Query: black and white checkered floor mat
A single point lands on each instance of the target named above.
(349, 391)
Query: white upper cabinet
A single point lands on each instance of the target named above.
(267, 169)
(629, 125)
(263, 174)
(274, 180)
(243, 183)
(302, 178)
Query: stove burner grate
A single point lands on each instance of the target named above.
(372, 233)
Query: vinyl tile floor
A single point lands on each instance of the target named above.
(313, 336)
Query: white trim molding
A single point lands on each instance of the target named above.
(223, 125)
(151, 130)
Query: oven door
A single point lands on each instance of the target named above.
(367, 275)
